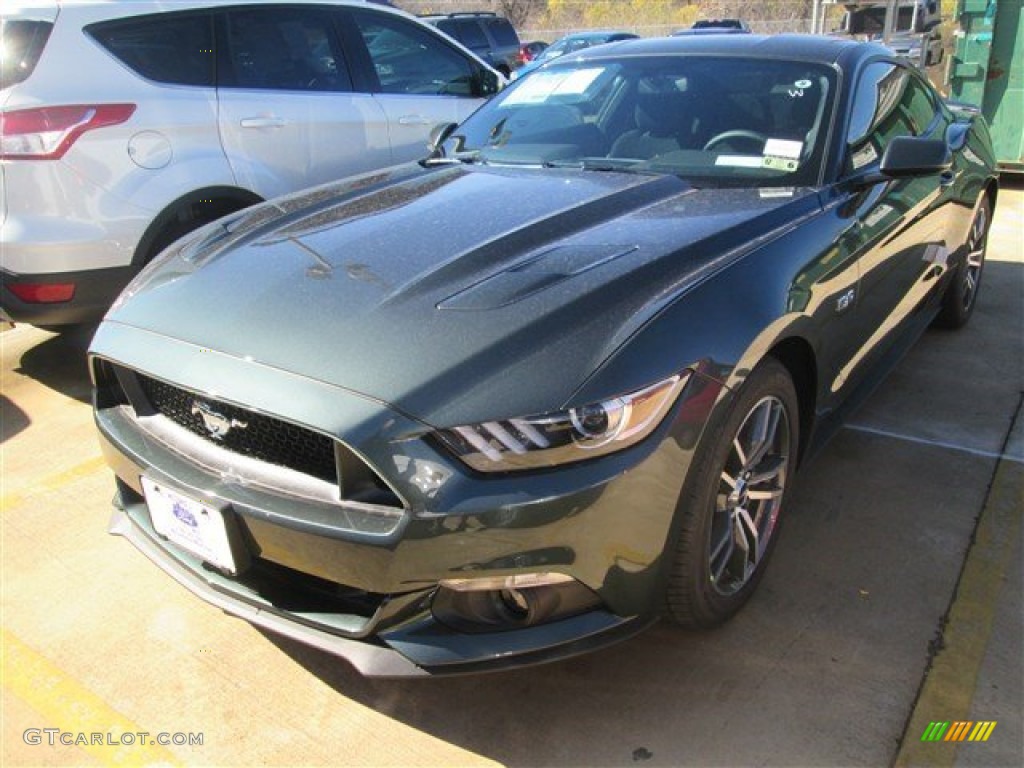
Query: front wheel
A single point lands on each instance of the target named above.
(732, 502)
(962, 294)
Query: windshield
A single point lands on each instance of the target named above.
(725, 120)
(571, 44)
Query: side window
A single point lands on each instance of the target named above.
(448, 27)
(920, 108)
(409, 59)
(285, 48)
(21, 41)
(889, 102)
(166, 48)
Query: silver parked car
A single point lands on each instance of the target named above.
(126, 125)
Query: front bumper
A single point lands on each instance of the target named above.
(606, 523)
(416, 651)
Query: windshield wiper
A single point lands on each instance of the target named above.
(467, 157)
(599, 164)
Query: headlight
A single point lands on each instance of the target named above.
(551, 439)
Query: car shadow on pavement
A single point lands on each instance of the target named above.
(14, 419)
(542, 715)
(59, 362)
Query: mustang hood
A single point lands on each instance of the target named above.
(445, 292)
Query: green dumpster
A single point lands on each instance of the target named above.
(987, 70)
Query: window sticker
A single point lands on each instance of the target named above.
(877, 215)
(783, 148)
(803, 85)
(579, 81)
(787, 164)
(864, 156)
(541, 86)
(739, 161)
(766, 193)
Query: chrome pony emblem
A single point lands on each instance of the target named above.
(217, 424)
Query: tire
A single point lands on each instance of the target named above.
(172, 232)
(719, 559)
(961, 295)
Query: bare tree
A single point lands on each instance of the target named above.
(518, 11)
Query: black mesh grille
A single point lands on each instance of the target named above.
(263, 437)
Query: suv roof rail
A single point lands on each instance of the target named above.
(461, 13)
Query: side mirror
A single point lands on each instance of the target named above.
(911, 156)
(907, 157)
(438, 135)
(488, 83)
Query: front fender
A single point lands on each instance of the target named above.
(792, 286)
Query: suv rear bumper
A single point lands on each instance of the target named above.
(95, 291)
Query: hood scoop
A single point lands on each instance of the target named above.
(533, 274)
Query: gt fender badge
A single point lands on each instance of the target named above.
(845, 300)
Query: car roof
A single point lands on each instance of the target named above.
(712, 31)
(827, 50)
(462, 15)
(595, 33)
(724, 23)
(132, 7)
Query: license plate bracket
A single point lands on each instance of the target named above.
(201, 529)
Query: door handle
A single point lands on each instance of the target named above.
(263, 122)
(946, 178)
(413, 120)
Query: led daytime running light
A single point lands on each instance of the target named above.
(563, 437)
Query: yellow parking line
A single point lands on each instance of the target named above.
(948, 690)
(65, 704)
(53, 482)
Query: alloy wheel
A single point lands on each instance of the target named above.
(975, 256)
(749, 497)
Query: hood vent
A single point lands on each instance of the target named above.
(534, 274)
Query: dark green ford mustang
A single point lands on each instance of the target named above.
(555, 381)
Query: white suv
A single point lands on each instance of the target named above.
(125, 125)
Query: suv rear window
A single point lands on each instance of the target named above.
(21, 41)
(166, 48)
(471, 35)
(502, 32)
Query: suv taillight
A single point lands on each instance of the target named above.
(46, 133)
(43, 293)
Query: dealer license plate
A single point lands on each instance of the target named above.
(190, 524)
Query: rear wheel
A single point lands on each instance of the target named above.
(731, 508)
(962, 294)
(189, 213)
